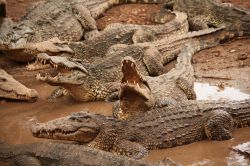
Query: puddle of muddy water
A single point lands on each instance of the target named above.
(207, 92)
(14, 116)
(214, 153)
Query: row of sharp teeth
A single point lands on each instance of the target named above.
(52, 132)
(43, 61)
(13, 93)
(127, 61)
(46, 75)
(134, 83)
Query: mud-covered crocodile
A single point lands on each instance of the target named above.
(51, 154)
(213, 13)
(12, 89)
(67, 20)
(160, 128)
(101, 81)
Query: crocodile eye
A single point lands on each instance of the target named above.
(3, 79)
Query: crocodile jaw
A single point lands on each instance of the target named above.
(135, 94)
(71, 128)
(12, 89)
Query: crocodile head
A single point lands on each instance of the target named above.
(71, 75)
(12, 89)
(80, 127)
(135, 93)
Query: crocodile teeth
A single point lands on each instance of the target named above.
(132, 65)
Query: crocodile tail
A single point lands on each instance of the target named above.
(2, 8)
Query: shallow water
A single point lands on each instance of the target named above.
(205, 91)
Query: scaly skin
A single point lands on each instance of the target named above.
(12, 89)
(213, 13)
(139, 94)
(160, 128)
(51, 154)
(102, 81)
(95, 48)
(67, 20)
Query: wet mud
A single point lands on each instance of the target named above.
(227, 65)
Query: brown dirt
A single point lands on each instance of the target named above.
(17, 8)
(225, 65)
(129, 14)
(228, 64)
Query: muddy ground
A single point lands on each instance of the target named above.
(224, 65)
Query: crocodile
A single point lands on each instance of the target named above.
(101, 81)
(66, 20)
(213, 13)
(51, 154)
(95, 48)
(160, 128)
(12, 89)
(139, 93)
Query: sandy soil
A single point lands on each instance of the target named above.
(224, 65)
(129, 14)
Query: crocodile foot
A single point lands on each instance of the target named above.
(58, 93)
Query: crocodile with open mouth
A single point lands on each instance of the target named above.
(160, 128)
(139, 93)
(101, 81)
(51, 154)
(12, 89)
(64, 20)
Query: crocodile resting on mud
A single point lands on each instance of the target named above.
(51, 154)
(95, 48)
(213, 13)
(160, 128)
(12, 89)
(101, 81)
(67, 20)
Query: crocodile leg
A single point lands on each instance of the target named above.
(130, 149)
(58, 93)
(84, 17)
(219, 125)
(24, 160)
(198, 23)
(153, 60)
(187, 88)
